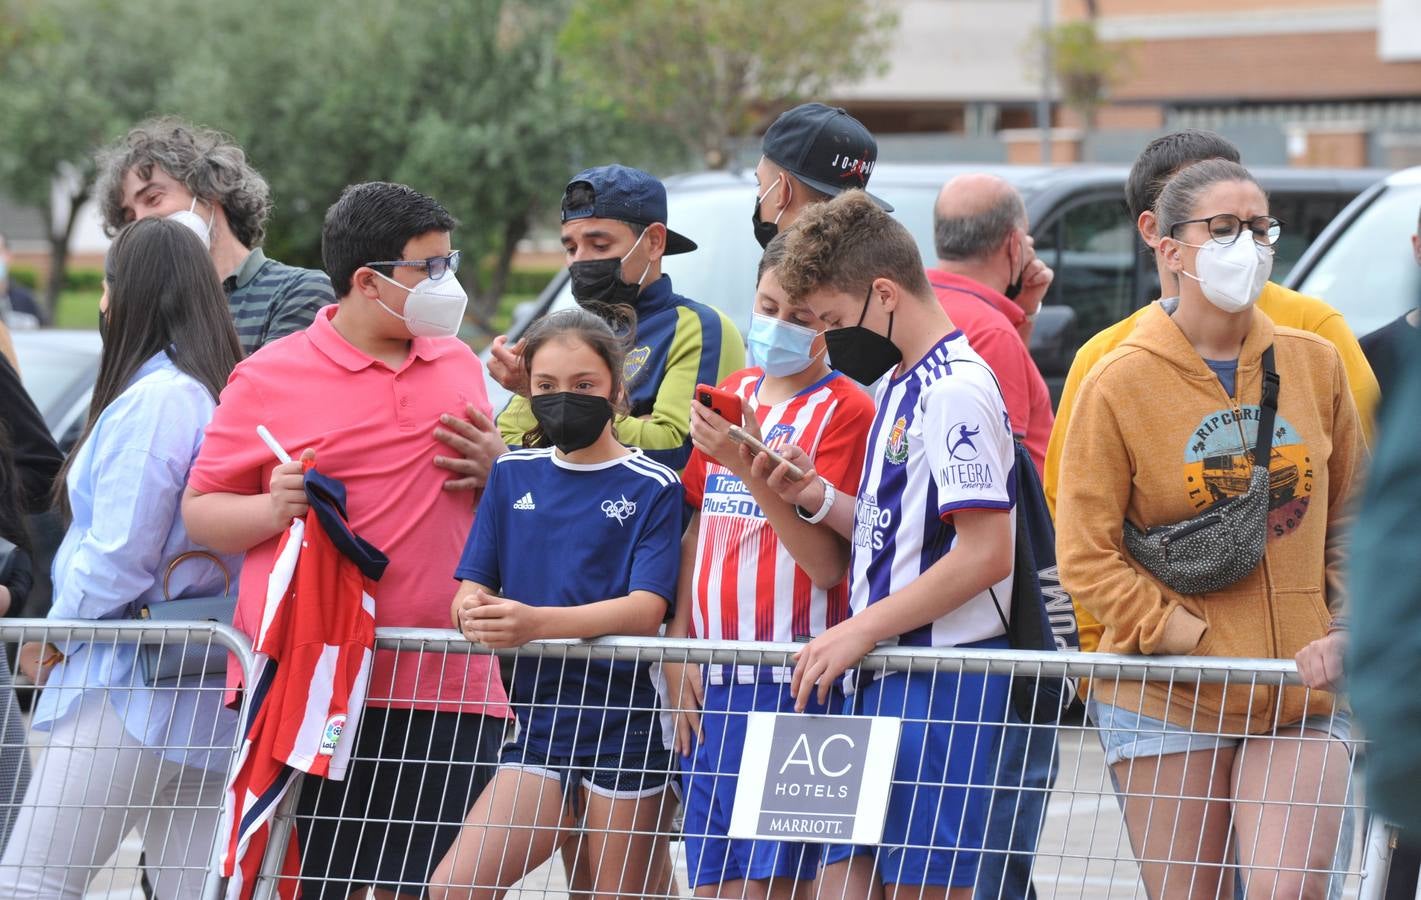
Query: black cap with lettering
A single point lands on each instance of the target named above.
(824, 147)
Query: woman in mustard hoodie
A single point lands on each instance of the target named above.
(1164, 429)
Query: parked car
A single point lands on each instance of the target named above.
(59, 369)
(1078, 219)
(1362, 262)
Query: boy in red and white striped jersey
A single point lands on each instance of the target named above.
(755, 569)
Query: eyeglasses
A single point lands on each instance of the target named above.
(1226, 227)
(435, 267)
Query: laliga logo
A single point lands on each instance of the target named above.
(621, 510)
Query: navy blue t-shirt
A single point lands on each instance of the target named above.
(554, 533)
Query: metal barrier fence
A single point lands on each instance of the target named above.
(71, 793)
(1011, 805)
(1274, 815)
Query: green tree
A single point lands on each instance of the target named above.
(462, 99)
(708, 71)
(73, 73)
(1085, 66)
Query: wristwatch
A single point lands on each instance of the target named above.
(828, 504)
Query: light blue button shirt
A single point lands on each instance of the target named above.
(125, 491)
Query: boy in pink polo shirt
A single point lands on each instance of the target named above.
(363, 390)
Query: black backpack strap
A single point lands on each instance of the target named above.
(1268, 410)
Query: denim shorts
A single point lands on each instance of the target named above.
(1126, 734)
(639, 767)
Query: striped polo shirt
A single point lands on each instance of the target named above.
(270, 299)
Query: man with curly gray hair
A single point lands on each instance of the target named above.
(168, 167)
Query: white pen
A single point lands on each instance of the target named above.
(272, 445)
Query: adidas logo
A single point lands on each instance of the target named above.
(525, 502)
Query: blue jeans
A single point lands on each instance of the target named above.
(1026, 770)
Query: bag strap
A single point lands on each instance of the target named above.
(1268, 410)
(196, 554)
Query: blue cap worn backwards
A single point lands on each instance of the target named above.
(627, 195)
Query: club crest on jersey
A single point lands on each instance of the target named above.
(897, 449)
(635, 362)
(330, 735)
(783, 433)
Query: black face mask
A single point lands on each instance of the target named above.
(862, 353)
(765, 231)
(600, 281)
(1014, 289)
(103, 327)
(571, 421)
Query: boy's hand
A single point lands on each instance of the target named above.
(710, 434)
(476, 441)
(686, 697)
(500, 623)
(824, 660)
(807, 492)
(288, 490)
(505, 364)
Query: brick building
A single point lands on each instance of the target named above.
(1311, 82)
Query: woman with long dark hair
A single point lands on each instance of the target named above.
(121, 753)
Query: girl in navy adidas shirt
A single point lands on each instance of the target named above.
(577, 536)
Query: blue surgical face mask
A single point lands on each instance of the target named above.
(780, 348)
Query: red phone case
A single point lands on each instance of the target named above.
(722, 403)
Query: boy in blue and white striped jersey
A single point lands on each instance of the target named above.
(932, 533)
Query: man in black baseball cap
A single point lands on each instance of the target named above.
(614, 233)
(811, 153)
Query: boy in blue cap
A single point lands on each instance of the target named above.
(614, 232)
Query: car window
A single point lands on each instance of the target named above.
(49, 375)
(1369, 272)
(1091, 246)
(1304, 216)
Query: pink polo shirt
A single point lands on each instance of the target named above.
(373, 429)
(975, 308)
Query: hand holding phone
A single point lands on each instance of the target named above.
(722, 403)
(741, 436)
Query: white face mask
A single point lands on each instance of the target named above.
(434, 308)
(190, 218)
(1232, 275)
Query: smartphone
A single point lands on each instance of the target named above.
(741, 436)
(722, 403)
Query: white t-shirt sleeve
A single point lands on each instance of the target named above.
(969, 445)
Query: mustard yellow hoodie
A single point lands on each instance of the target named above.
(1156, 440)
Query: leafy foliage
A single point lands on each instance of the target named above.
(708, 71)
(488, 105)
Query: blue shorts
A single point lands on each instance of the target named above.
(1126, 734)
(942, 780)
(708, 783)
(640, 766)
